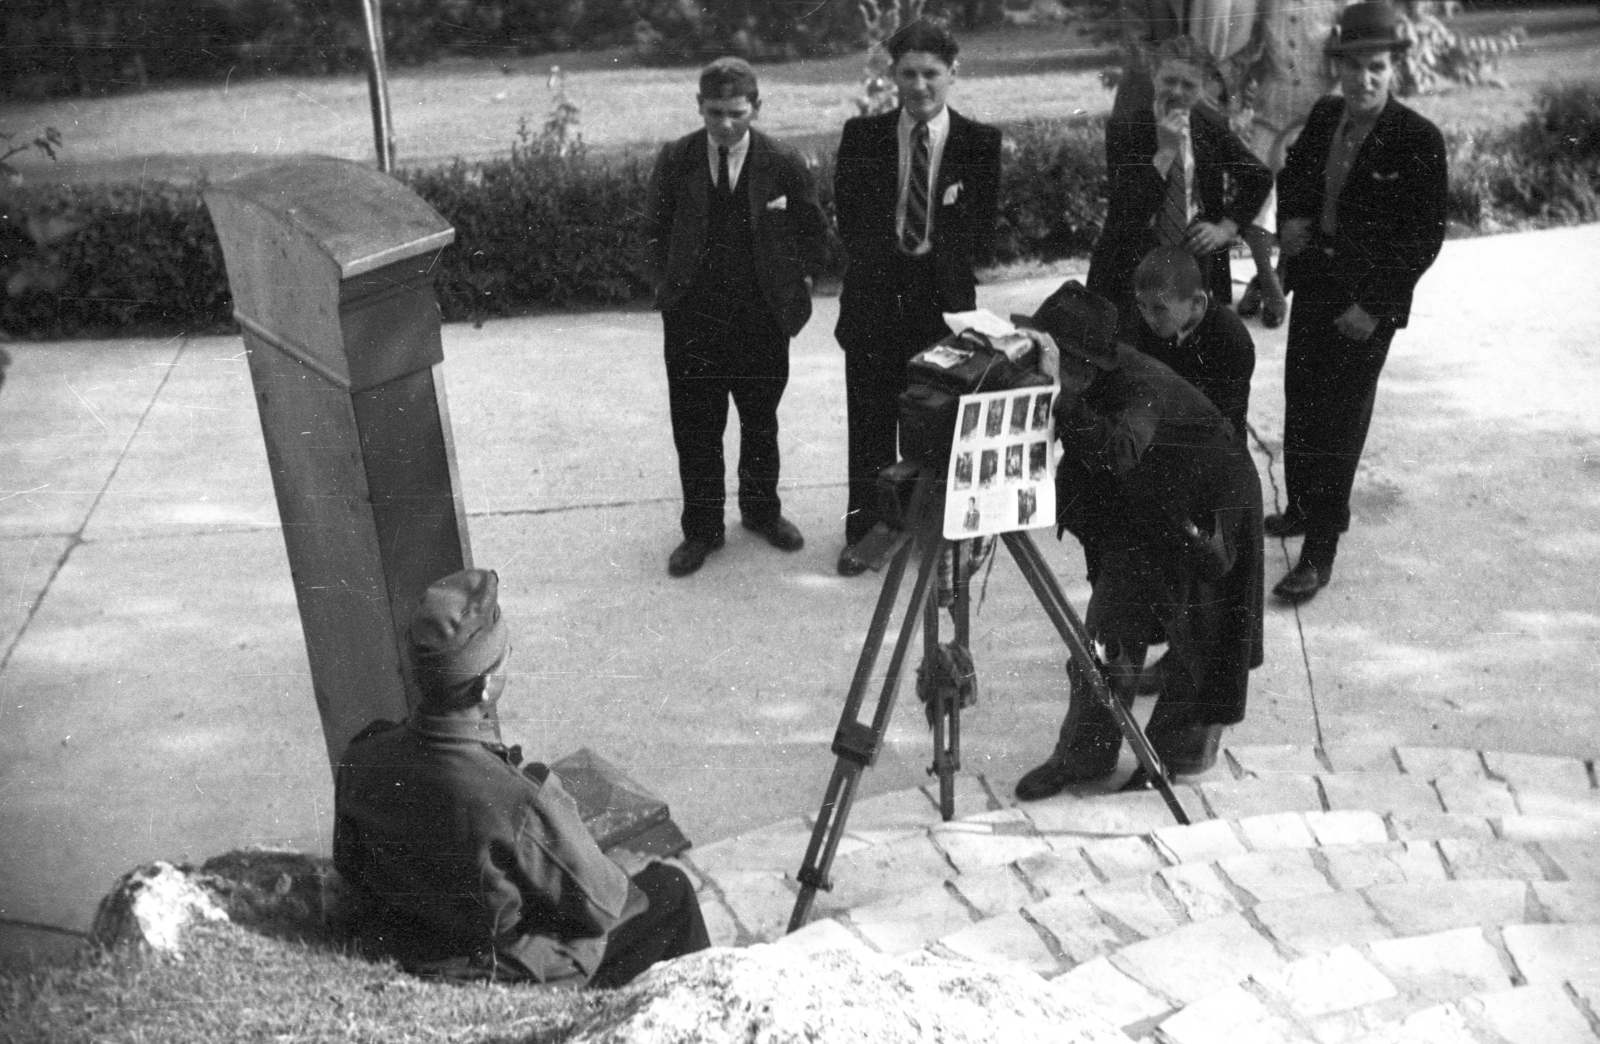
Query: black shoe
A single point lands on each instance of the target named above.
(1284, 524)
(849, 564)
(1302, 583)
(779, 531)
(1061, 771)
(1188, 751)
(691, 555)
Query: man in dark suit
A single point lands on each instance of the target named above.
(1361, 215)
(917, 194)
(1179, 177)
(734, 229)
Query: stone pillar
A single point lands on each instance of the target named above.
(330, 264)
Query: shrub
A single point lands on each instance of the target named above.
(1546, 171)
(1052, 189)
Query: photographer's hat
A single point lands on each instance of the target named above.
(1365, 27)
(456, 631)
(1080, 322)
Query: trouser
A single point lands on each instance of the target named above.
(907, 320)
(671, 927)
(713, 354)
(1330, 383)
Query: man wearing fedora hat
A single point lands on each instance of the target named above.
(1166, 502)
(465, 863)
(1361, 215)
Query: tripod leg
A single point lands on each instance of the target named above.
(1056, 606)
(942, 703)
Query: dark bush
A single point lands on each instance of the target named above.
(1546, 171)
(1052, 189)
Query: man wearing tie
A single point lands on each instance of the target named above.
(916, 191)
(733, 227)
(1170, 170)
(1361, 215)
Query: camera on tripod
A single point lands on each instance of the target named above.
(961, 364)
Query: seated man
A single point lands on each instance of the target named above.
(1199, 337)
(466, 864)
(1167, 505)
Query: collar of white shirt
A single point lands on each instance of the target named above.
(938, 131)
(736, 154)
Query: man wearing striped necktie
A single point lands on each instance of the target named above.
(916, 192)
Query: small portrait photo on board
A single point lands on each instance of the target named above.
(970, 521)
(988, 467)
(1019, 414)
(995, 418)
(1014, 462)
(1041, 412)
(1038, 460)
(1027, 505)
(963, 471)
(969, 419)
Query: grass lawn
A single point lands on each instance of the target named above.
(471, 108)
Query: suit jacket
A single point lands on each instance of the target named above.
(866, 190)
(787, 225)
(1391, 211)
(1229, 182)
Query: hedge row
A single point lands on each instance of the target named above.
(550, 226)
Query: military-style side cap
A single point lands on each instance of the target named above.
(456, 630)
(1367, 26)
(1080, 322)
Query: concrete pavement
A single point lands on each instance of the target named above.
(154, 700)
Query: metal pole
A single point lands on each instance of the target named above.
(378, 85)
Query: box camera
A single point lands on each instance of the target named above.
(958, 365)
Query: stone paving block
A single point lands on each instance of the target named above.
(896, 810)
(720, 925)
(1578, 859)
(1059, 872)
(1434, 762)
(971, 796)
(761, 899)
(1231, 1016)
(1361, 866)
(1441, 966)
(1138, 904)
(1547, 828)
(1472, 860)
(1202, 842)
(1478, 796)
(1443, 1024)
(1433, 826)
(1347, 827)
(1236, 799)
(1319, 923)
(1076, 925)
(1202, 893)
(1200, 958)
(1556, 805)
(1355, 756)
(1323, 983)
(1276, 760)
(1008, 937)
(1097, 984)
(858, 839)
(1539, 771)
(1135, 813)
(994, 890)
(1538, 1014)
(821, 935)
(1381, 792)
(870, 874)
(1003, 819)
(974, 851)
(1118, 857)
(1554, 952)
(781, 846)
(1588, 991)
(1572, 902)
(1420, 908)
(1288, 873)
(907, 922)
(1277, 830)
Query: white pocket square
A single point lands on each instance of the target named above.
(951, 193)
(781, 203)
(1379, 175)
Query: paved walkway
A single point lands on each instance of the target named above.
(154, 701)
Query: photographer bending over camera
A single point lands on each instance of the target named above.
(1167, 505)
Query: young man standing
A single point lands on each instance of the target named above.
(917, 193)
(734, 229)
(1361, 215)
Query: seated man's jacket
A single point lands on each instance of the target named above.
(452, 855)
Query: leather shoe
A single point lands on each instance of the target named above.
(779, 532)
(691, 555)
(1284, 524)
(849, 564)
(1060, 772)
(1302, 583)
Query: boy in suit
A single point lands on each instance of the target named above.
(734, 228)
(916, 192)
(1361, 215)
(1168, 171)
